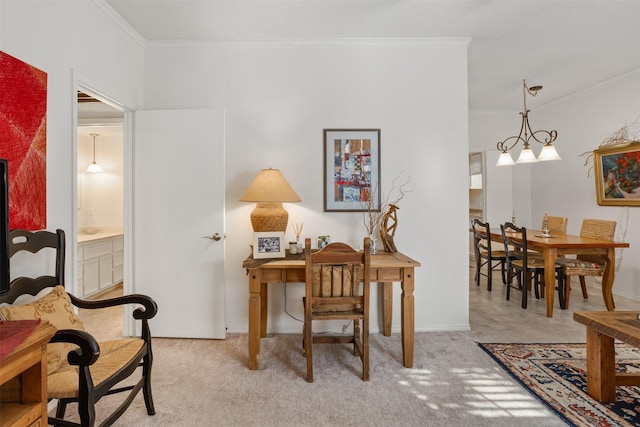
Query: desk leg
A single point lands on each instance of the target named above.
(254, 318)
(550, 256)
(407, 305)
(601, 375)
(264, 304)
(607, 279)
(387, 307)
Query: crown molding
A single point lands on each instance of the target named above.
(120, 22)
(355, 41)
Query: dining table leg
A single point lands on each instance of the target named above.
(607, 279)
(550, 255)
(407, 307)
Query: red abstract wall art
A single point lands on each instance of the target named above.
(23, 141)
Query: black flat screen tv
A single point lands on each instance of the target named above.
(4, 227)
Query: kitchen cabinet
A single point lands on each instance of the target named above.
(100, 264)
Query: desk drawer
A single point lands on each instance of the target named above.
(386, 275)
(278, 275)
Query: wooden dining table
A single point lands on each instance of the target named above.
(564, 244)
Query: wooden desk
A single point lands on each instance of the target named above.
(561, 244)
(385, 268)
(603, 327)
(28, 405)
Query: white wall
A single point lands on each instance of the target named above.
(67, 39)
(280, 97)
(564, 187)
(583, 121)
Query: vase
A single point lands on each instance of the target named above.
(374, 244)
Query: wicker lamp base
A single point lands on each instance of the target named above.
(269, 217)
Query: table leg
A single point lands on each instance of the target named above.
(601, 376)
(254, 318)
(550, 256)
(387, 307)
(264, 304)
(407, 305)
(607, 279)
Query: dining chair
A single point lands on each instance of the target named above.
(522, 266)
(485, 255)
(587, 265)
(556, 225)
(337, 288)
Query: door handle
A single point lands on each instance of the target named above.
(216, 237)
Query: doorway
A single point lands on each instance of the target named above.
(100, 188)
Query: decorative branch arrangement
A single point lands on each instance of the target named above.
(372, 218)
(619, 137)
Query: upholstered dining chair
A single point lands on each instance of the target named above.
(522, 266)
(337, 288)
(485, 255)
(587, 265)
(79, 369)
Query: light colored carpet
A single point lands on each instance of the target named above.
(203, 382)
(453, 381)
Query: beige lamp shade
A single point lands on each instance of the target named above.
(269, 190)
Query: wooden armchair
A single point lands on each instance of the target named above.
(333, 291)
(79, 369)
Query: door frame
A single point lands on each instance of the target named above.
(80, 82)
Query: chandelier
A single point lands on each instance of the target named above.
(526, 136)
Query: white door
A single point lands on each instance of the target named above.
(178, 204)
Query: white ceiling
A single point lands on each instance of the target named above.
(564, 45)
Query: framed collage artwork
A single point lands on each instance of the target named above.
(351, 170)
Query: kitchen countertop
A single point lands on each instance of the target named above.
(101, 234)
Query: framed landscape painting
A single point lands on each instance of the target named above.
(618, 175)
(351, 170)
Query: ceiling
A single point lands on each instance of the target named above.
(566, 45)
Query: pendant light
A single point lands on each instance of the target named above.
(94, 167)
(526, 136)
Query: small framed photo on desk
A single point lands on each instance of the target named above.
(323, 240)
(268, 244)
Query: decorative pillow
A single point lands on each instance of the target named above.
(56, 308)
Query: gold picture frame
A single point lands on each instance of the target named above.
(617, 174)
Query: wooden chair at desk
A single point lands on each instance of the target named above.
(79, 369)
(333, 291)
(587, 265)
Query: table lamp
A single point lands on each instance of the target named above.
(269, 190)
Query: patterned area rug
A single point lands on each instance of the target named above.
(556, 374)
